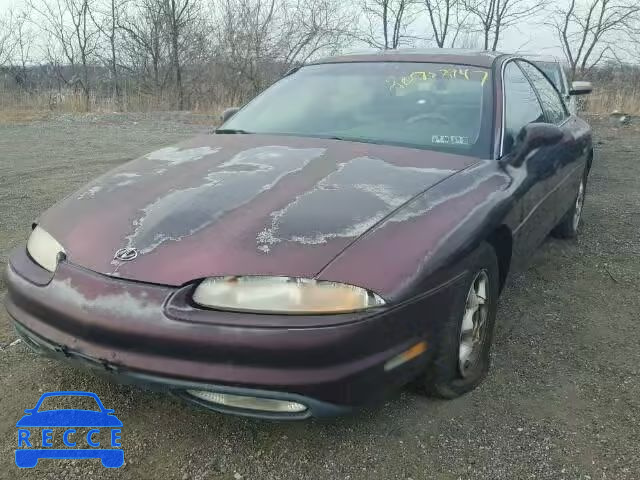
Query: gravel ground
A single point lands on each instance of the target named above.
(562, 399)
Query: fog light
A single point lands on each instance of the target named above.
(248, 403)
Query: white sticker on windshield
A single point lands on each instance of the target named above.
(450, 139)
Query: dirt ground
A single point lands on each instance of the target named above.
(562, 400)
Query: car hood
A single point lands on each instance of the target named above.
(240, 204)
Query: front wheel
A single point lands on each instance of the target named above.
(568, 226)
(463, 344)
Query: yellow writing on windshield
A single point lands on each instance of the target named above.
(443, 74)
(422, 75)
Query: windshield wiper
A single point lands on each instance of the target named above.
(351, 139)
(231, 130)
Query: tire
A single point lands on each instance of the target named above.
(446, 377)
(570, 223)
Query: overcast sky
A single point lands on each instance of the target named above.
(6, 4)
(527, 38)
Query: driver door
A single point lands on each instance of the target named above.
(538, 176)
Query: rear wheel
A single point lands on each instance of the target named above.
(463, 346)
(568, 226)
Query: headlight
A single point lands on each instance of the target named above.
(44, 249)
(283, 295)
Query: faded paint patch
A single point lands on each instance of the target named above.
(181, 213)
(91, 192)
(122, 304)
(171, 155)
(176, 156)
(469, 180)
(111, 183)
(126, 178)
(347, 202)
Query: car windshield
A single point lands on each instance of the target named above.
(433, 106)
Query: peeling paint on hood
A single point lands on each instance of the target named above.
(183, 212)
(176, 156)
(369, 189)
(240, 204)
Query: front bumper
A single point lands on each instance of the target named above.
(179, 387)
(127, 328)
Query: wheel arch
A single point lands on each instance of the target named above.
(589, 160)
(501, 240)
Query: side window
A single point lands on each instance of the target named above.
(549, 96)
(521, 104)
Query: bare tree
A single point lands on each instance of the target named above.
(72, 40)
(144, 45)
(311, 27)
(200, 52)
(440, 16)
(179, 15)
(259, 40)
(7, 41)
(448, 20)
(587, 31)
(107, 19)
(23, 39)
(495, 16)
(389, 18)
(244, 42)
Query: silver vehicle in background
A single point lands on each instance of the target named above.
(552, 67)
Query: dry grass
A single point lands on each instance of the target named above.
(614, 90)
(608, 98)
(17, 116)
(25, 107)
(20, 106)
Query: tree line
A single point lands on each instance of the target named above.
(226, 51)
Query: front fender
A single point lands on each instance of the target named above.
(425, 242)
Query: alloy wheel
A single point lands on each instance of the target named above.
(473, 329)
(579, 204)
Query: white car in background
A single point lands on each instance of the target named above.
(552, 67)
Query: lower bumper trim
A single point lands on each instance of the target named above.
(179, 387)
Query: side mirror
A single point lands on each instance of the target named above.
(532, 136)
(581, 88)
(228, 113)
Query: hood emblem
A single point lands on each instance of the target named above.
(126, 254)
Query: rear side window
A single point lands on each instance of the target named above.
(549, 96)
(521, 103)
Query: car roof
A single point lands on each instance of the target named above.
(478, 58)
(541, 58)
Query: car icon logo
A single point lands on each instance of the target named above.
(126, 254)
(69, 425)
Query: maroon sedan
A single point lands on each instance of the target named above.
(346, 232)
